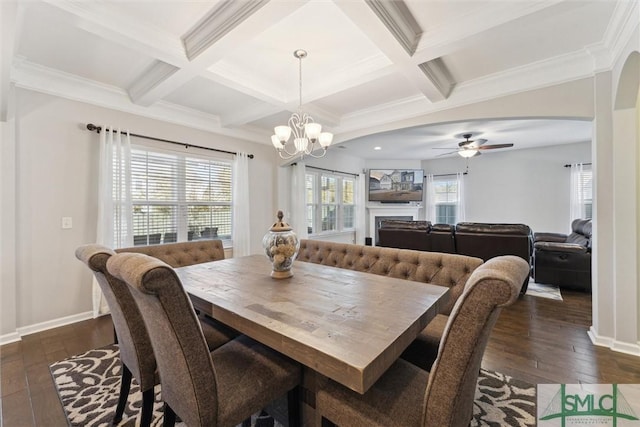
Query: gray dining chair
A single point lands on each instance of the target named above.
(136, 351)
(222, 387)
(409, 396)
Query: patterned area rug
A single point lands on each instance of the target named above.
(544, 291)
(88, 386)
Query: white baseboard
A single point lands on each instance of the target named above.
(598, 339)
(43, 326)
(9, 338)
(625, 347)
(619, 346)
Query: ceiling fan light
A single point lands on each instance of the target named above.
(467, 153)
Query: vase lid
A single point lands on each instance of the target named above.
(280, 225)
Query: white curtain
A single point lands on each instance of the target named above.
(115, 210)
(298, 220)
(430, 213)
(361, 208)
(461, 202)
(241, 220)
(576, 198)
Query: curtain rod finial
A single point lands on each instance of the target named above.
(92, 127)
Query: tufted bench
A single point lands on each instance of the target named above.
(436, 268)
(182, 253)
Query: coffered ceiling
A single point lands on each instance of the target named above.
(228, 66)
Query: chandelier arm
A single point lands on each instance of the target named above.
(324, 151)
(287, 152)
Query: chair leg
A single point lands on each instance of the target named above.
(115, 336)
(169, 416)
(148, 397)
(125, 385)
(293, 407)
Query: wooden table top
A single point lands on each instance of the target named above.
(347, 325)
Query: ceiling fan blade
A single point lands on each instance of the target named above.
(442, 148)
(445, 154)
(491, 147)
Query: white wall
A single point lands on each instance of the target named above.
(529, 186)
(56, 176)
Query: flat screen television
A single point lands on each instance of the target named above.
(396, 185)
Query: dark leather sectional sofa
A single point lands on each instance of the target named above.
(481, 240)
(565, 259)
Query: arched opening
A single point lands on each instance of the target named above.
(626, 195)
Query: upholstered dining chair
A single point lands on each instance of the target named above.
(136, 351)
(423, 351)
(218, 388)
(409, 396)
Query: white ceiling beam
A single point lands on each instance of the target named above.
(101, 19)
(399, 21)
(10, 19)
(206, 49)
(248, 115)
(445, 39)
(366, 16)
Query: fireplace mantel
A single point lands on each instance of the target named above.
(412, 211)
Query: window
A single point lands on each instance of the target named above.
(179, 197)
(446, 201)
(584, 183)
(330, 203)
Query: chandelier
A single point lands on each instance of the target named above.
(306, 133)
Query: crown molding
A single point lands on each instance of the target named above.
(562, 69)
(158, 73)
(438, 74)
(395, 15)
(221, 21)
(101, 19)
(623, 23)
(437, 42)
(37, 78)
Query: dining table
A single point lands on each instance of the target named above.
(346, 325)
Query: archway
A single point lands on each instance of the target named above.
(626, 205)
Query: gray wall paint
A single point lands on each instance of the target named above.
(56, 176)
(518, 186)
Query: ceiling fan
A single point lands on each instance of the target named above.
(472, 147)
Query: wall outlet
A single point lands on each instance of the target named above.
(67, 222)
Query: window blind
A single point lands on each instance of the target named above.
(178, 197)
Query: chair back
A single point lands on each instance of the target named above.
(136, 351)
(454, 375)
(188, 377)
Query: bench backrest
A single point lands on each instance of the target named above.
(436, 268)
(183, 253)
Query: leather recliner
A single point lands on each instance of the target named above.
(564, 260)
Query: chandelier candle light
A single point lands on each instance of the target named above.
(305, 131)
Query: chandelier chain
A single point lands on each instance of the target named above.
(306, 133)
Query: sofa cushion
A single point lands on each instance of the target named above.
(436, 268)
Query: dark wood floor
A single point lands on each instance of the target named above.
(536, 340)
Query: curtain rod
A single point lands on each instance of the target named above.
(584, 164)
(328, 170)
(451, 174)
(91, 127)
